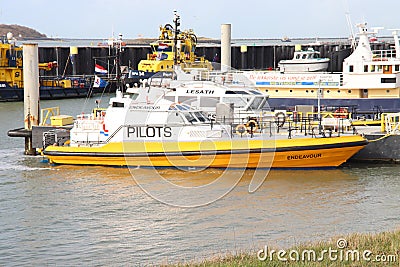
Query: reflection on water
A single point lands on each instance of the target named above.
(100, 216)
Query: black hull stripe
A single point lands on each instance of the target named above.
(207, 152)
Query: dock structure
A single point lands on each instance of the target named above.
(384, 141)
(31, 97)
(257, 56)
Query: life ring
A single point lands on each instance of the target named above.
(241, 129)
(341, 113)
(75, 82)
(251, 126)
(280, 119)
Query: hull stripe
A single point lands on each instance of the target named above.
(206, 152)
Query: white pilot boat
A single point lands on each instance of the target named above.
(304, 61)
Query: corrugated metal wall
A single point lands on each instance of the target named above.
(256, 57)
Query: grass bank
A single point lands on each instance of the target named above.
(381, 249)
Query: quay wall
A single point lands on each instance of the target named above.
(256, 58)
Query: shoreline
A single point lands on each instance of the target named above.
(357, 249)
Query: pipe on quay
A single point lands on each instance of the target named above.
(31, 92)
(225, 47)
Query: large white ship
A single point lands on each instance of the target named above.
(370, 80)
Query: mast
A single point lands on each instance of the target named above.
(117, 60)
(177, 23)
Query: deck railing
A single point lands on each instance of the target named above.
(391, 123)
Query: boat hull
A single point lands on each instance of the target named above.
(304, 65)
(285, 153)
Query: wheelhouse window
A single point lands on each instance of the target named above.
(190, 117)
(388, 80)
(237, 101)
(209, 101)
(256, 104)
(201, 117)
(236, 92)
(351, 68)
(187, 99)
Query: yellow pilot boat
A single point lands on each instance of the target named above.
(289, 153)
(146, 127)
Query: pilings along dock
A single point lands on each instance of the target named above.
(253, 54)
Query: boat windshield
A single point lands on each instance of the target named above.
(179, 107)
(201, 116)
(190, 117)
(257, 102)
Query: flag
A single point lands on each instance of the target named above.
(99, 69)
(162, 46)
(99, 82)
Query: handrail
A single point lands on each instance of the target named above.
(391, 123)
(53, 111)
(253, 127)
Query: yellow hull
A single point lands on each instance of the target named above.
(288, 153)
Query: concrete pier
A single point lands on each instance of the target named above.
(31, 92)
(225, 47)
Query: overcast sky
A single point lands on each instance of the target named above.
(249, 19)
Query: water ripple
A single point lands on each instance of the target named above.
(71, 215)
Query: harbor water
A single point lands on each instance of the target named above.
(92, 215)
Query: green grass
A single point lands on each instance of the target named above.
(386, 244)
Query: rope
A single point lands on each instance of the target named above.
(380, 138)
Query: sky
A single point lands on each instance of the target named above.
(102, 19)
